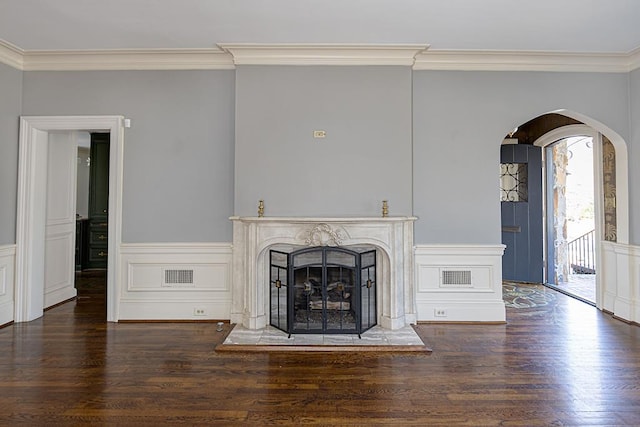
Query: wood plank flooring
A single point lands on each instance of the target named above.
(562, 364)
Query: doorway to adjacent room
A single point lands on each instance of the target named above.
(31, 241)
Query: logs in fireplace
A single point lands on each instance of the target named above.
(323, 289)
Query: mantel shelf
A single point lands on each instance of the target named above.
(322, 219)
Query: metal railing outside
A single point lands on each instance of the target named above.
(582, 254)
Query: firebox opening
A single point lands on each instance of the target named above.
(323, 289)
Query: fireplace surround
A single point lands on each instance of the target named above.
(392, 238)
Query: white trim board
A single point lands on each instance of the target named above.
(227, 55)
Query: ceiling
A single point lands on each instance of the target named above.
(574, 26)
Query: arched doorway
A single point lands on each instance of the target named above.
(610, 194)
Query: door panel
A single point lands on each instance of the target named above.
(522, 216)
(60, 226)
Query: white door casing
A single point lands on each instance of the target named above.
(32, 202)
(60, 218)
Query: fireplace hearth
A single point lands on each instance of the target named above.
(323, 289)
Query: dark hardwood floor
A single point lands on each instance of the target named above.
(561, 364)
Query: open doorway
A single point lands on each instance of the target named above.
(32, 209)
(92, 203)
(610, 205)
(551, 191)
(570, 217)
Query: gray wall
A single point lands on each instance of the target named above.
(178, 156)
(634, 158)
(460, 119)
(364, 159)
(10, 107)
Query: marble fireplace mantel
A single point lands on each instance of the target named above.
(392, 236)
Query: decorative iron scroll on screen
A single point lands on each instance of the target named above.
(324, 235)
(609, 183)
(513, 182)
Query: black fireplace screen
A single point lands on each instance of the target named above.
(323, 289)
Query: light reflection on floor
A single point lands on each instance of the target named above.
(581, 285)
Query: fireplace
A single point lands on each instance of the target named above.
(323, 289)
(255, 237)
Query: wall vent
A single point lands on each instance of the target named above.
(456, 278)
(178, 277)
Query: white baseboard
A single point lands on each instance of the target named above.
(459, 283)
(59, 295)
(7, 285)
(6, 312)
(175, 281)
(195, 309)
(463, 311)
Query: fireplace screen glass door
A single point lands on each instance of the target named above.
(323, 289)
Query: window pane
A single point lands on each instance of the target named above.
(513, 182)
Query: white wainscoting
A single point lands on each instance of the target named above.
(59, 280)
(620, 280)
(7, 275)
(459, 283)
(175, 281)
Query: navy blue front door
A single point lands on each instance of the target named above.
(522, 231)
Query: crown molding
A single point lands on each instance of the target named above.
(634, 59)
(128, 59)
(323, 54)
(486, 60)
(227, 55)
(114, 59)
(11, 55)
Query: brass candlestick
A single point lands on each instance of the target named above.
(261, 208)
(385, 209)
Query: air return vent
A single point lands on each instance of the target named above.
(178, 277)
(456, 278)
